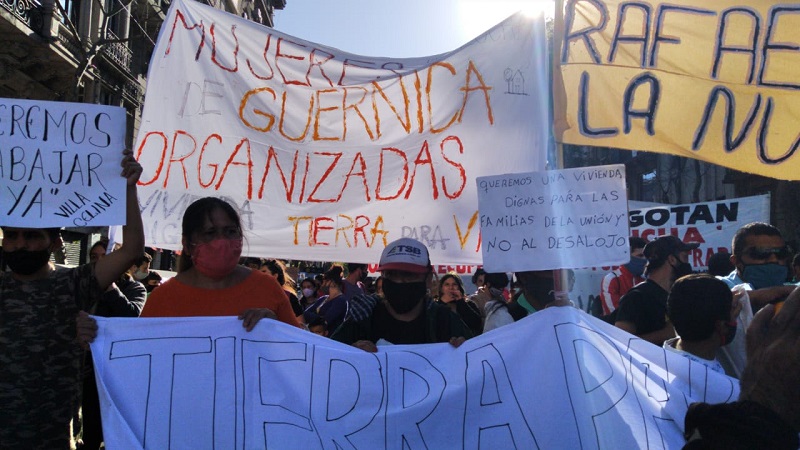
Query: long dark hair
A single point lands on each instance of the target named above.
(456, 278)
(278, 267)
(195, 217)
(335, 274)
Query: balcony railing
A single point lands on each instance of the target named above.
(28, 11)
(117, 52)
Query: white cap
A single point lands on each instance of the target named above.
(405, 254)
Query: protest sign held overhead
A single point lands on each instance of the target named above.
(60, 164)
(707, 80)
(329, 155)
(205, 383)
(554, 219)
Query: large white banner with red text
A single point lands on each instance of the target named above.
(204, 383)
(329, 155)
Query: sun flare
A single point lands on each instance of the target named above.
(477, 16)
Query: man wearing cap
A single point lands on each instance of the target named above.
(643, 310)
(406, 314)
(39, 353)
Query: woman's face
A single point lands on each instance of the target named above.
(450, 290)
(308, 285)
(96, 253)
(217, 225)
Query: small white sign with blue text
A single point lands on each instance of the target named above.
(555, 219)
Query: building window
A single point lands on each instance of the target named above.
(71, 11)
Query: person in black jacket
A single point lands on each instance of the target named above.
(406, 314)
(451, 293)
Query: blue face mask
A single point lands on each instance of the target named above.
(636, 265)
(765, 275)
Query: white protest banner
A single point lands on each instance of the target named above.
(204, 383)
(329, 155)
(711, 224)
(554, 219)
(60, 164)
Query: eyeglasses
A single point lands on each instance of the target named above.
(762, 253)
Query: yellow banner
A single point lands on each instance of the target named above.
(716, 81)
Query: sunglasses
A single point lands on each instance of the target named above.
(762, 253)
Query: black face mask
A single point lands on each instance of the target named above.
(403, 297)
(540, 288)
(682, 269)
(26, 262)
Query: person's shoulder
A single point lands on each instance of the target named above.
(130, 283)
(167, 288)
(351, 289)
(646, 287)
(432, 304)
(613, 274)
(493, 305)
(362, 306)
(632, 296)
(367, 298)
(79, 271)
(138, 286)
(635, 291)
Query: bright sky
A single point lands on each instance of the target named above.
(397, 28)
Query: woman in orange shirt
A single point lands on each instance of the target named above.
(210, 282)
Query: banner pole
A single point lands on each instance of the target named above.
(560, 276)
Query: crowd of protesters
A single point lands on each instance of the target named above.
(655, 297)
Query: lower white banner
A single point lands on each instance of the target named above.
(557, 379)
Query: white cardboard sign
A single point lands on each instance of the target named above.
(60, 164)
(554, 219)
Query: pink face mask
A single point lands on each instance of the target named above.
(217, 258)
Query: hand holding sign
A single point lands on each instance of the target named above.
(131, 169)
